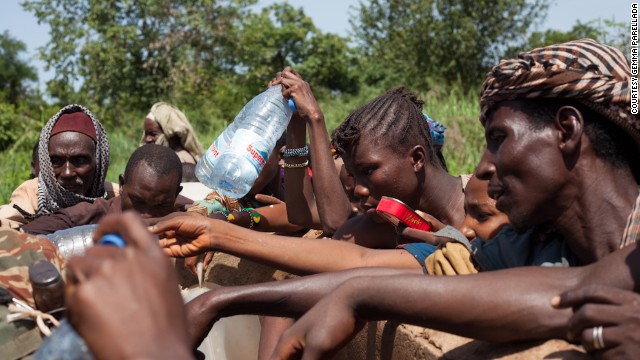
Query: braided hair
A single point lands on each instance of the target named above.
(394, 119)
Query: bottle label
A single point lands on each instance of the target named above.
(214, 150)
(254, 145)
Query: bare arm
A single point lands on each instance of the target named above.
(301, 209)
(273, 218)
(190, 235)
(506, 305)
(290, 298)
(333, 204)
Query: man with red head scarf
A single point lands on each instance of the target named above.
(73, 154)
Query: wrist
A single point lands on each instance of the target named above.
(315, 118)
(350, 295)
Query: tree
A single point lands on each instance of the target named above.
(605, 31)
(127, 54)
(281, 35)
(419, 43)
(14, 72)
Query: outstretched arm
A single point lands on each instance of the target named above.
(183, 236)
(290, 298)
(504, 305)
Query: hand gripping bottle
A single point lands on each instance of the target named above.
(259, 125)
(65, 342)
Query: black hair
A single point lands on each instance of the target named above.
(609, 141)
(395, 119)
(161, 159)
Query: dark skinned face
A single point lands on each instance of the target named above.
(379, 170)
(151, 131)
(482, 219)
(73, 158)
(150, 194)
(524, 166)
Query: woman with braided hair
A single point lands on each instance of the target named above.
(73, 156)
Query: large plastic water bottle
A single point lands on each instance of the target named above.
(259, 125)
(73, 241)
(204, 167)
(65, 343)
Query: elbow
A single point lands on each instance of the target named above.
(332, 224)
(331, 227)
(300, 219)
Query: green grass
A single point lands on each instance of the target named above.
(458, 111)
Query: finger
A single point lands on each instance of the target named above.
(166, 226)
(208, 258)
(81, 268)
(130, 227)
(153, 221)
(286, 349)
(169, 242)
(592, 294)
(419, 235)
(268, 199)
(587, 338)
(590, 315)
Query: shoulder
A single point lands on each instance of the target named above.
(26, 194)
(112, 189)
(364, 231)
(185, 156)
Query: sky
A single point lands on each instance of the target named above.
(328, 15)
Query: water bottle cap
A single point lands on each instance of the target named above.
(292, 105)
(113, 240)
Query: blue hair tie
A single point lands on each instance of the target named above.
(437, 131)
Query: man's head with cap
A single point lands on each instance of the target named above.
(556, 118)
(74, 157)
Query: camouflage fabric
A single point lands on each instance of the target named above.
(17, 250)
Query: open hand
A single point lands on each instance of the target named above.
(322, 331)
(616, 311)
(185, 236)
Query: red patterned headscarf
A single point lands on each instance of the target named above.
(592, 73)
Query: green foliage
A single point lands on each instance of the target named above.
(420, 43)
(209, 57)
(127, 54)
(14, 72)
(606, 31)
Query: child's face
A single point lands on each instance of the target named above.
(380, 171)
(482, 218)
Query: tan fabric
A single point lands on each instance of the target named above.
(174, 123)
(185, 157)
(25, 196)
(632, 230)
(452, 258)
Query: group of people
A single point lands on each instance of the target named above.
(545, 227)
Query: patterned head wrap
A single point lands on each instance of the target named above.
(51, 195)
(592, 73)
(173, 122)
